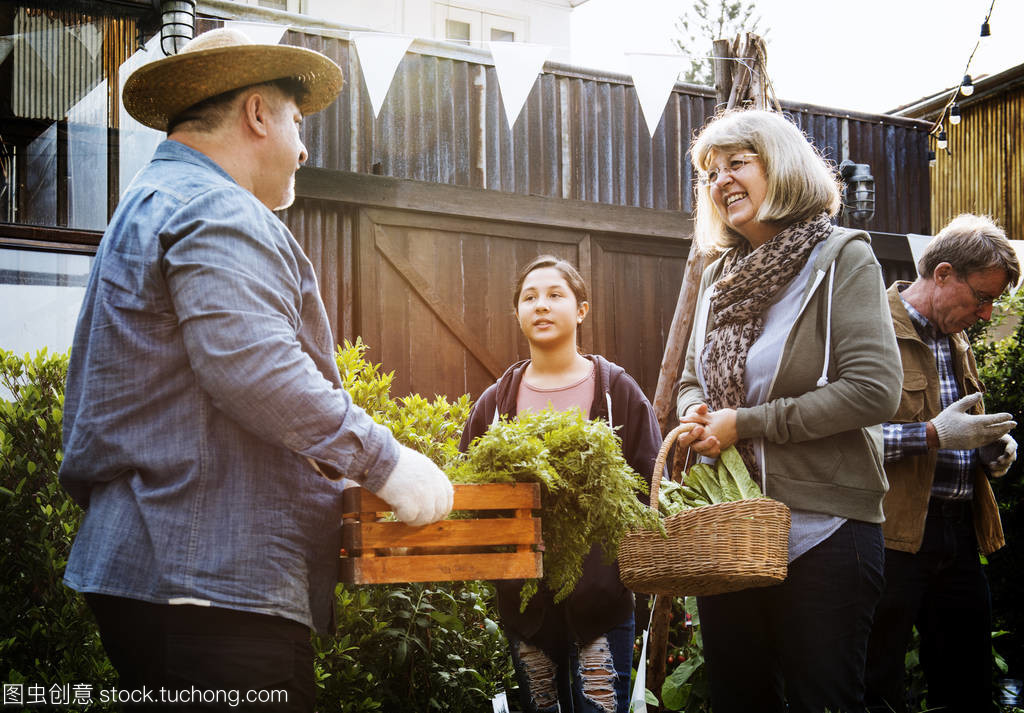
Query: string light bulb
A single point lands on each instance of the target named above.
(954, 114)
(931, 158)
(967, 86)
(941, 139)
(986, 30)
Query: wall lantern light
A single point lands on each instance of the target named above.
(177, 24)
(859, 195)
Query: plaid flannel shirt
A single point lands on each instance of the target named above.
(953, 468)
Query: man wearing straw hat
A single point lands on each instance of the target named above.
(940, 449)
(205, 427)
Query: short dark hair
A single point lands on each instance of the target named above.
(970, 243)
(210, 113)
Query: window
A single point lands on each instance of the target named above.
(458, 31)
(67, 149)
(40, 296)
(468, 26)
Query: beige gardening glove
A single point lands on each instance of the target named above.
(961, 431)
(418, 490)
(999, 456)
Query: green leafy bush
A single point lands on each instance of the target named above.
(416, 647)
(47, 634)
(1001, 367)
(686, 688)
(401, 647)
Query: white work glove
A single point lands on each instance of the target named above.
(961, 431)
(418, 490)
(999, 456)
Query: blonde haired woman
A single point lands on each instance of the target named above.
(793, 360)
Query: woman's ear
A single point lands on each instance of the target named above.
(581, 312)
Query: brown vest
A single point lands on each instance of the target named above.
(910, 479)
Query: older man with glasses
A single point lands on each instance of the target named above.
(940, 450)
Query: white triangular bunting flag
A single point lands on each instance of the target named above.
(379, 56)
(262, 33)
(654, 76)
(1018, 247)
(517, 65)
(917, 245)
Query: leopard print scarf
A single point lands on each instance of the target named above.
(750, 283)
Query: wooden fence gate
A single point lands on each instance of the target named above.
(423, 273)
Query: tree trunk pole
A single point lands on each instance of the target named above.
(722, 51)
(677, 341)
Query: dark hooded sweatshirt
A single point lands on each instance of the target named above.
(600, 601)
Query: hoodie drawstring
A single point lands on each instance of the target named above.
(823, 380)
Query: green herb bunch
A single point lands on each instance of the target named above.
(589, 490)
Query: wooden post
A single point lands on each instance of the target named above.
(736, 83)
(677, 341)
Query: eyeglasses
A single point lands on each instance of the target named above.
(737, 162)
(978, 297)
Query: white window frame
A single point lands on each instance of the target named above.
(480, 23)
(295, 6)
(444, 12)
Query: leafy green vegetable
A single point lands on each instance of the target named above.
(728, 481)
(589, 490)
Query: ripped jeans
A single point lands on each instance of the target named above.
(576, 678)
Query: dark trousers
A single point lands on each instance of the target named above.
(942, 589)
(195, 658)
(803, 641)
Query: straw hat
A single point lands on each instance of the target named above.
(219, 61)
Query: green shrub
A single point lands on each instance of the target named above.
(1001, 367)
(47, 634)
(415, 647)
(400, 647)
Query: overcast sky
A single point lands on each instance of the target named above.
(864, 55)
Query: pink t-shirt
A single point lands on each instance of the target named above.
(579, 395)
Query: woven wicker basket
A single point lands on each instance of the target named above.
(709, 550)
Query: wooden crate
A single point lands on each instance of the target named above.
(378, 552)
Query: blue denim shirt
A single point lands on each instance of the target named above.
(202, 386)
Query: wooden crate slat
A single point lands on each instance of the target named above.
(440, 568)
(379, 552)
(486, 496)
(452, 533)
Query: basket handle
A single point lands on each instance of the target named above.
(659, 464)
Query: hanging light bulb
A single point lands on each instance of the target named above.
(954, 114)
(986, 31)
(931, 158)
(941, 139)
(967, 86)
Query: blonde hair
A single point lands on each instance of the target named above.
(800, 182)
(970, 243)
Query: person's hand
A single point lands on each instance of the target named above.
(696, 415)
(999, 455)
(716, 430)
(961, 431)
(698, 439)
(418, 490)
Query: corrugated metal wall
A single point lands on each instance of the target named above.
(60, 56)
(984, 172)
(580, 136)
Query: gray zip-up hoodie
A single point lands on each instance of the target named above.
(838, 379)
